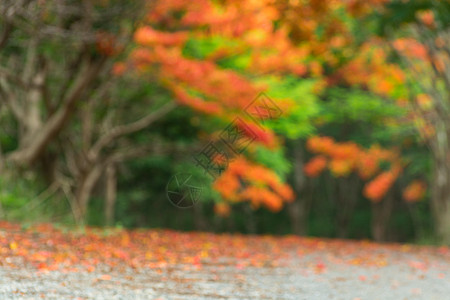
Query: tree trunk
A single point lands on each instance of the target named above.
(199, 219)
(298, 210)
(437, 86)
(110, 194)
(83, 193)
(35, 144)
(440, 200)
(381, 212)
(299, 217)
(347, 196)
(250, 223)
(1, 211)
(230, 224)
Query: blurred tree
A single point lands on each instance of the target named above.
(53, 52)
(56, 83)
(418, 32)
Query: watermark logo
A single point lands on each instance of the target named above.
(263, 109)
(182, 190)
(215, 157)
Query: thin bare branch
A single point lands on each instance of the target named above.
(129, 128)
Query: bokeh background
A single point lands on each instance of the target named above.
(103, 101)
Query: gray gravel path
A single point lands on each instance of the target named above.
(300, 278)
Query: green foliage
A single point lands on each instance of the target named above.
(19, 201)
(274, 160)
(351, 114)
(198, 48)
(297, 122)
(400, 12)
(355, 105)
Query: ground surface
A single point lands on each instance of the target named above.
(45, 263)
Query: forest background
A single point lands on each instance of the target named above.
(340, 110)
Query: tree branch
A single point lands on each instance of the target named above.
(11, 101)
(129, 128)
(29, 153)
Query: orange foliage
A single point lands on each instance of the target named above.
(285, 47)
(411, 48)
(344, 151)
(196, 103)
(340, 167)
(426, 17)
(347, 157)
(161, 250)
(222, 209)
(259, 195)
(359, 8)
(245, 181)
(424, 101)
(321, 145)
(425, 128)
(315, 166)
(106, 44)
(206, 87)
(414, 191)
(266, 137)
(378, 187)
(367, 165)
(226, 89)
(147, 36)
(370, 68)
(292, 46)
(118, 68)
